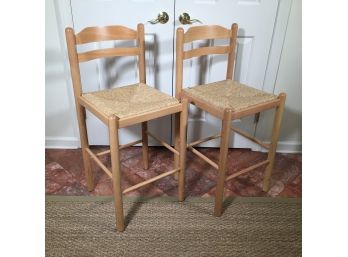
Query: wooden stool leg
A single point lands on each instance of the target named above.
(275, 135)
(177, 143)
(145, 145)
(183, 133)
(225, 137)
(81, 117)
(116, 171)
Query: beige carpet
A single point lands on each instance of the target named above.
(84, 226)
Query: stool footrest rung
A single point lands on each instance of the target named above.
(121, 147)
(170, 148)
(203, 157)
(236, 174)
(251, 138)
(204, 140)
(144, 183)
(100, 164)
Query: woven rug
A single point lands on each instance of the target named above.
(85, 226)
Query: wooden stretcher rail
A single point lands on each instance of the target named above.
(204, 140)
(103, 152)
(246, 170)
(150, 180)
(251, 138)
(203, 157)
(163, 143)
(130, 144)
(101, 165)
(120, 147)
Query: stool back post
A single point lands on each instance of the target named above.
(80, 110)
(179, 62)
(74, 62)
(141, 46)
(232, 54)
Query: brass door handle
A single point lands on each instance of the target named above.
(162, 18)
(185, 18)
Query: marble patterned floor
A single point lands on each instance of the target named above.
(64, 173)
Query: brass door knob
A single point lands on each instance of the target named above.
(162, 18)
(185, 18)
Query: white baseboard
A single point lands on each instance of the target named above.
(62, 143)
(283, 147)
(289, 147)
(73, 143)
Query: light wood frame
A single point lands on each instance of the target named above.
(227, 115)
(94, 34)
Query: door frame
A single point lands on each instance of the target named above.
(65, 19)
(275, 53)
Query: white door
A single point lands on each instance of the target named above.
(112, 72)
(256, 21)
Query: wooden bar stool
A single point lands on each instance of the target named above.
(227, 100)
(122, 107)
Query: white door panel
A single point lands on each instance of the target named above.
(256, 21)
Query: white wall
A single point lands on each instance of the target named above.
(59, 113)
(61, 126)
(289, 80)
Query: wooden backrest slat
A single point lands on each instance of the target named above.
(206, 51)
(96, 34)
(108, 52)
(206, 32)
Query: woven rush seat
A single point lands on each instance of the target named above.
(129, 100)
(229, 94)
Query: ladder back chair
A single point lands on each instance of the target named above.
(227, 100)
(121, 107)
